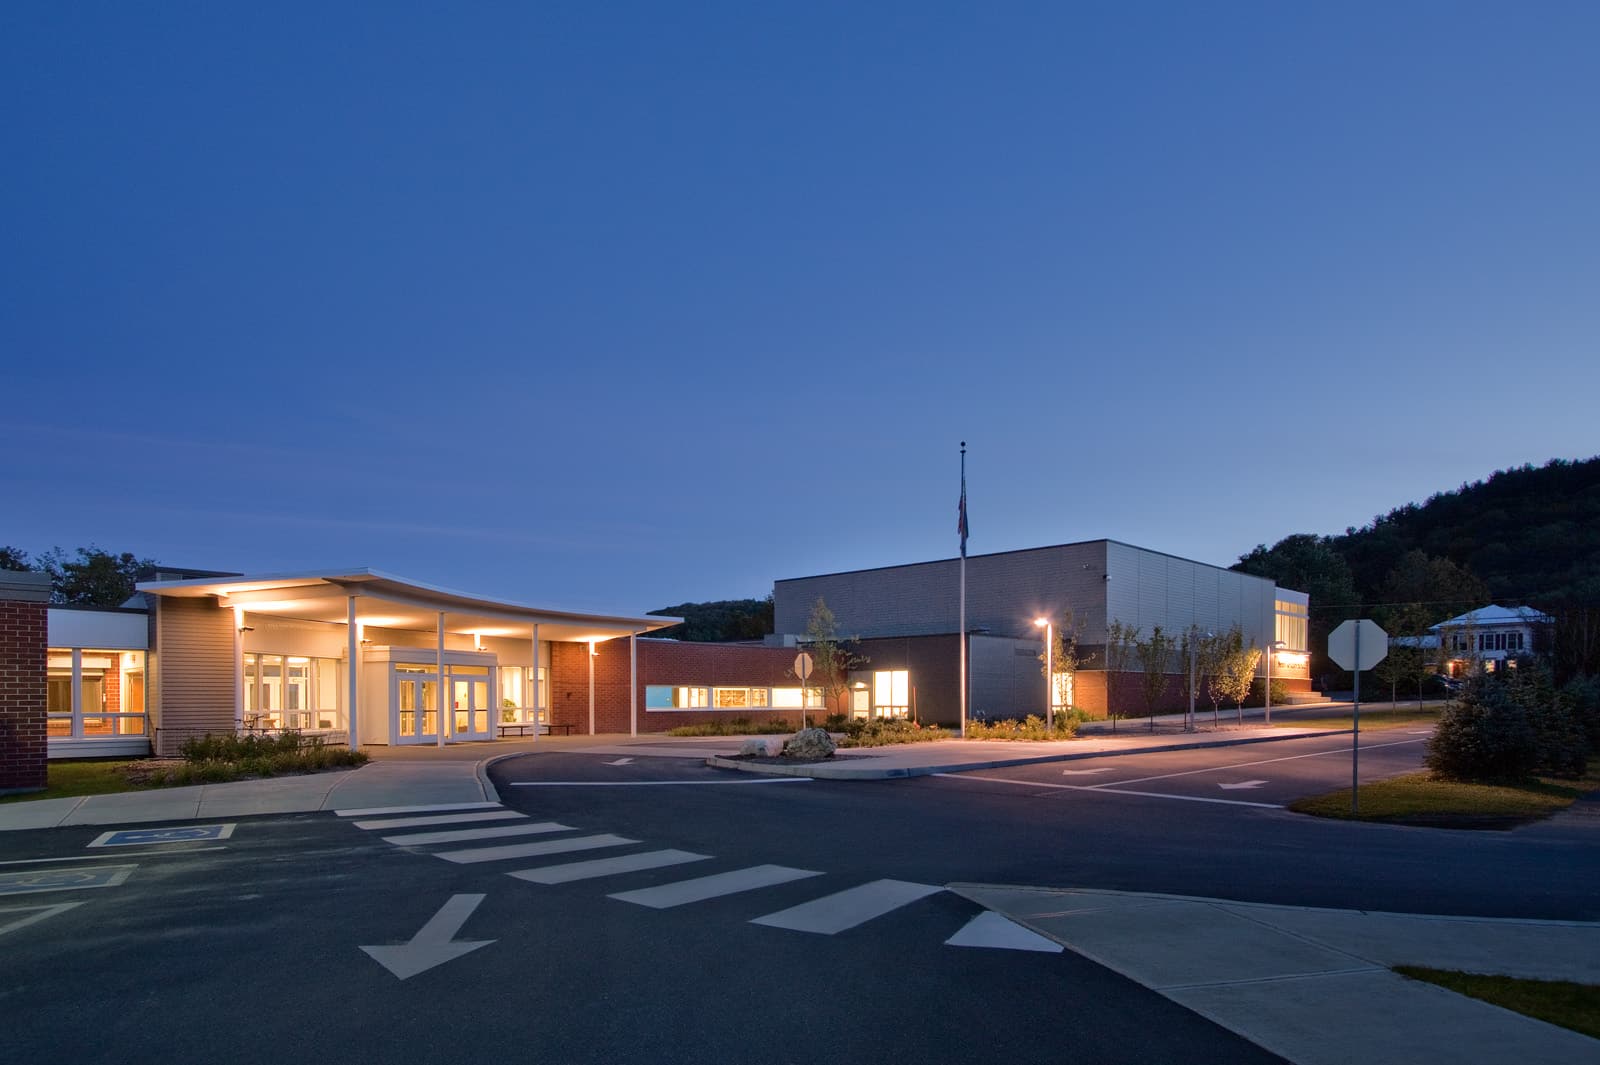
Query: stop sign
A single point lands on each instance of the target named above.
(1342, 644)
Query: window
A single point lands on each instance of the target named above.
(891, 690)
(758, 697)
(789, 698)
(93, 693)
(730, 698)
(512, 680)
(1293, 625)
(292, 692)
(1063, 690)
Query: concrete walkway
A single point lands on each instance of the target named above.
(1314, 985)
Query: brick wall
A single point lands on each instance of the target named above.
(663, 662)
(23, 747)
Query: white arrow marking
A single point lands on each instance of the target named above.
(1242, 784)
(620, 761)
(1085, 772)
(435, 944)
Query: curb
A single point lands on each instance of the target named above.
(843, 772)
(482, 768)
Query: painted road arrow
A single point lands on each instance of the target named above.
(1242, 784)
(620, 761)
(435, 944)
(1085, 772)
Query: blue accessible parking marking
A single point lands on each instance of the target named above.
(140, 837)
(34, 880)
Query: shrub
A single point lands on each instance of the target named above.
(739, 726)
(883, 732)
(1582, 697)
(214, 759)
(1031, 727)
(1483, 735)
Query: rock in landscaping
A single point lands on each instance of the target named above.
(808, 744)
(758, 747)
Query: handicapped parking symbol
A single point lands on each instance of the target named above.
(135, 837)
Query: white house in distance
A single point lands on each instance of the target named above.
(1490, 634)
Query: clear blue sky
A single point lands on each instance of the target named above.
(620, 305)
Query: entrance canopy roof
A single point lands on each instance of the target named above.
(391, 602)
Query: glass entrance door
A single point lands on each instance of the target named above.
(416, 708)
(470, 701)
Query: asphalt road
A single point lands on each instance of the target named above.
(248, 949)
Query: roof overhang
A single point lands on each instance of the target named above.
(386, 601)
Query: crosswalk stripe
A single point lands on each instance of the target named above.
(990, 929)
(533, 850)
(846, 909)
(379, 811)
(441, 819)
(417, 839)
(628, 863)
(710, 887)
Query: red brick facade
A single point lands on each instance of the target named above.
(663, 662)
(23, 747)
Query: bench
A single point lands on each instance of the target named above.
(521, 728)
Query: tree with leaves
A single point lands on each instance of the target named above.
(14, 558)
(1155, 655)
(831, 661)
(92, 577)
(1239, 670)
(1198, 655)
(1121, 642)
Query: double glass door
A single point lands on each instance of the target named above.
(417, 716)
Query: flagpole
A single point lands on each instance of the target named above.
(961, 637)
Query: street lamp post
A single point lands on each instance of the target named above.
(1049, 674)
(1272, 649)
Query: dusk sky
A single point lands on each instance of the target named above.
(618, 305)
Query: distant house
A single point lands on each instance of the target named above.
(1490, 634)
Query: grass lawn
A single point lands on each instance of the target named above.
(1575, 1006)
(98, 777)
(1420, 799)
(1370, 719)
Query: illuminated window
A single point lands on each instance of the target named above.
(94, 693)
(730, 698)
(758, 697)
(1293, 625)
(294, 692)
(891, 693)
(789, 698)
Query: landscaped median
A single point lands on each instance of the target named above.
(1426, 799)
(205, 760)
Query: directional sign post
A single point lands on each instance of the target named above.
(802, 669)
(1357, 645)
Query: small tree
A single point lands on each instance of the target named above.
(1063, 657)
(1154, 654)
(1121, 641)
(831, 662)
(1239, 670)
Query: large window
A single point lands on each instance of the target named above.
(291, 692)
(93, 693)
(1293, 627)
(891, 693)
(702, 697)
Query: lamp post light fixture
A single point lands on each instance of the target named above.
(1049, 674)
(1272, 648)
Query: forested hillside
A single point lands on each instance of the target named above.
(720, 621)
(1524, 536)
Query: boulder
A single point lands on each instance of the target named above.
(809, 743)
(758, 747)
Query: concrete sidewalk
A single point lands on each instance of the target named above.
(380, 783)
(1315, 985)
(964, 756)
